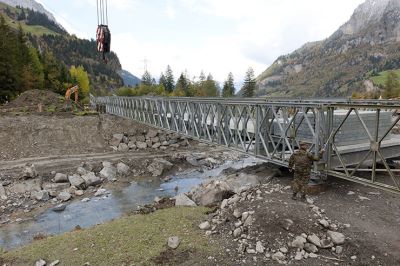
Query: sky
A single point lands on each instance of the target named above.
(213, 36)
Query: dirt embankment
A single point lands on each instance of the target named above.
(35, 135)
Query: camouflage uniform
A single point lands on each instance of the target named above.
(301, 162)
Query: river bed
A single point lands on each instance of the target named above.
(117, 202)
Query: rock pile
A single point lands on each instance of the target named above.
(287, 246)
(146, 139)
(30, 189)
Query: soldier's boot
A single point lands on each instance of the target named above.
(294, 196)
(303, 197)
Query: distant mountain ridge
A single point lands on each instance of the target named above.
(129, 78)
(366, 44)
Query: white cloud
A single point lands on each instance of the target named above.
(257, 31)
(170, 12)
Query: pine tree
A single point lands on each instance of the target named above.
(182, 86)
(52, 70)
(392, 86)
(249, 83)
(162, 80)
(228, 89)
(210, 87)
(147, 79)
(169, 80)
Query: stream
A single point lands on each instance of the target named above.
(102, 209)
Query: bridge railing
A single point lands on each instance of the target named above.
(356, 134)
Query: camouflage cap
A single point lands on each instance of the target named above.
(302, 143)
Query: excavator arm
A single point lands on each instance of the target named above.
(71, 90)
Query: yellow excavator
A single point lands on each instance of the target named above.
(70, 91)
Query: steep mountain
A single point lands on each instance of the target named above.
(129, 79)
(365, 45)
(31, 4)
(49, 38)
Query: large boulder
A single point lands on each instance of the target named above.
(26, 186)
(3, 194)
(122, 169)
(29, 171)
(91, 179)
(151, 134)
(336, 237)
(81, 171)
(141, 145)
(183, 200)
(123, 147)
(211, 193)
(64, 196)
(41, 195)
(116, 139)
(241, 182)
(60, 178)
(55, 188)
(132, 145)
(158, 166)
(77, 181)
(109, 172)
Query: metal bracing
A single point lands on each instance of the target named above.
(356, 134)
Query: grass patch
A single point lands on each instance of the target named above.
(85, 113)
(381, 78)
(51, 109)
(131, 240)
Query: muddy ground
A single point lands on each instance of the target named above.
(368, 218)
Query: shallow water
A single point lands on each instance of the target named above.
(101, 209)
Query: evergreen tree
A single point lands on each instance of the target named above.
(202, 77)
(8, 62)
(182, 86)
(162, 80)
(147, 79)
(249, 83)
(169, 80)
(51, 69)
(210, 87)
(228, 89)
(392, 86)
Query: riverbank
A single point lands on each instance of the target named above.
(131, 240)
(349, 224)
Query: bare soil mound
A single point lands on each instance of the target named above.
(29, 101)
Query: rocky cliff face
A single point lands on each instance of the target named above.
(367, 43)
(31, 4)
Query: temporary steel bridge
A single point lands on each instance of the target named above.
(356, 134)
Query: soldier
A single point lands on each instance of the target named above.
(301, 162)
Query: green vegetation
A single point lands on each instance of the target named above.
(249, 85)
(381, 78)
(23, 67)
(131, 240)
(51, 109)
(228, 90)
(79, 76)
(184, 87)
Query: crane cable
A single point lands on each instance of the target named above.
(102, 12)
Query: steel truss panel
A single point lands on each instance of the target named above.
(271, 129)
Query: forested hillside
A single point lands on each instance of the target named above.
(36, 53)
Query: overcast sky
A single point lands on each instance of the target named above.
(216, 36)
